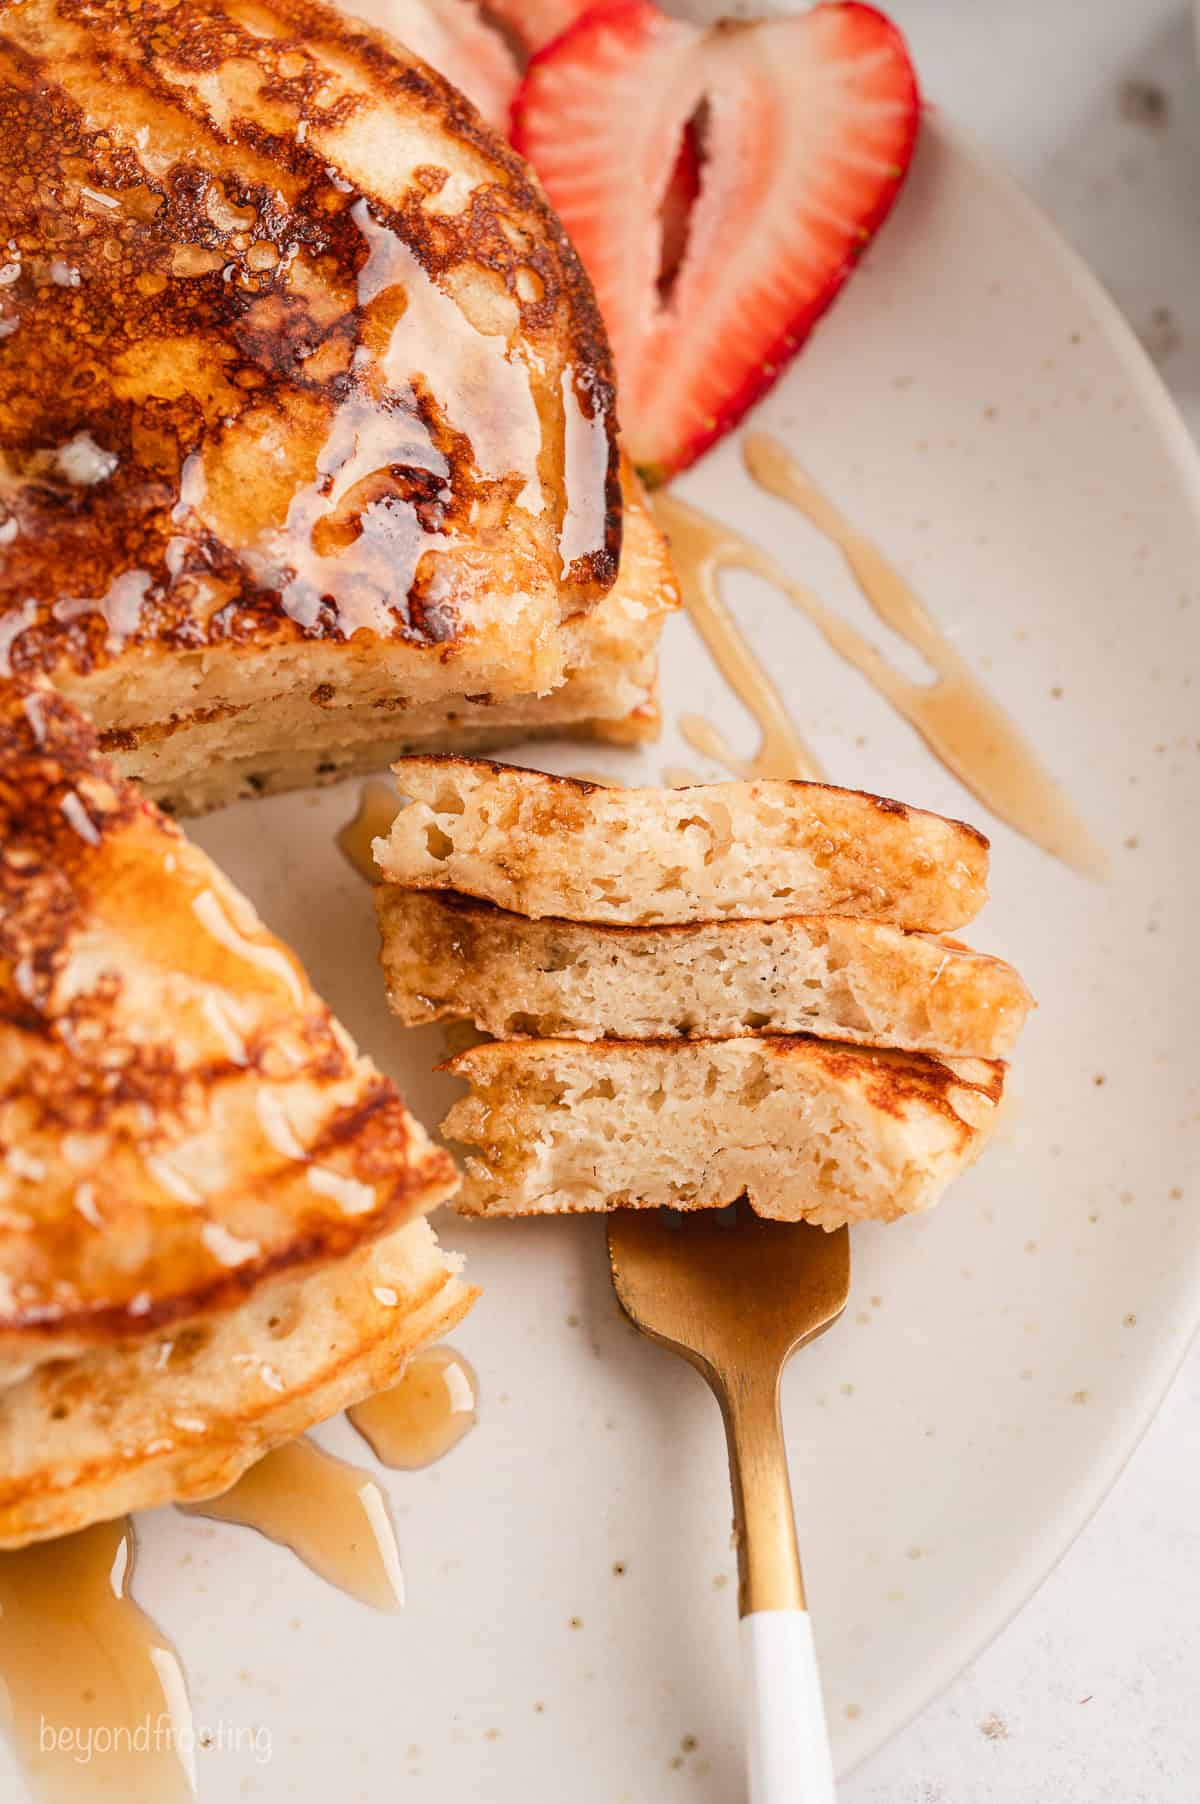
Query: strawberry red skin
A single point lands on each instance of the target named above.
(781, 345)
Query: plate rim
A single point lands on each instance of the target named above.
(1156, 405)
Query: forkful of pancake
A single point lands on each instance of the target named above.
(737, 989)
(737, 999)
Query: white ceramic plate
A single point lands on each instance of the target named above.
(980, 408)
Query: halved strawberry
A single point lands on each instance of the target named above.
(533, 23)
(806, 126)
(452, 38)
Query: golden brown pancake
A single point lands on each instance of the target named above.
(609, 691)
(446, 956)
(806, 1129)
(181, 1117)
(539, 844)
(179, 1416)
(305, 404)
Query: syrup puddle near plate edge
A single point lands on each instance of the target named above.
(331, 1515)
(96, 1700)
(960, 722)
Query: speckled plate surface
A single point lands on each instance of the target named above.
(978, 406)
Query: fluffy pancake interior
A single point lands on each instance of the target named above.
(841, 978)
(544, 845)
(807, 1129)
(358, 721)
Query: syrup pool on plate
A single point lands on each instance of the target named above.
(378, 806)
(96, 1702)
(332, 1515)
(423, 1416)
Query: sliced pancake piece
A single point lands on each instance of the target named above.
(446, 956)
(181, 1117)
(302, 387)
(545, 845)
(608, 691)
(808, 1130)
(178, 1417)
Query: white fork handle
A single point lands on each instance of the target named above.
(787, 1741)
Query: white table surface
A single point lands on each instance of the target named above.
(1090, 1695)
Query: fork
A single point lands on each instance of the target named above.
(736, 1295)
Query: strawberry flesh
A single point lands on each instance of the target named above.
(809, 127)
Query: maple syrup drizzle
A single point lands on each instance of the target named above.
(420, 1419)
(330, 1514)
(700, 550)
(97, 1706)
(378, 806)
(705, 737)
(585, 463)
(960, 722)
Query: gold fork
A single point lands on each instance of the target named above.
(736, 1295)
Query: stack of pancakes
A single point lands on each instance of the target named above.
(743, 988)
(211, 1204)
(308, 455)
(308, 448)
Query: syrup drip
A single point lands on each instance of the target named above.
(355, 530)
(585, 462)
(425, 1415)
(478, 375)
(150, 889)
(705, 737)
(959, 721)
(96, 1701)
(700, 550)
(378, 806)
(330, 1514)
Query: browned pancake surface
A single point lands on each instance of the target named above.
(181, 1117)
(291, 349)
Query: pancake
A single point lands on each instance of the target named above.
(446, 956)
(305, 404)
(178, 1417)
(807, 1129)
(182, 1119)
(546, 845)
(609, 691)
